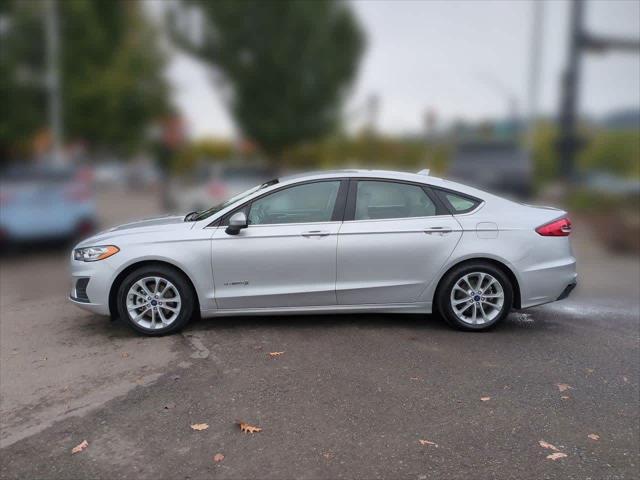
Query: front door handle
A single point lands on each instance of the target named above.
(442, 230)
(315, 233)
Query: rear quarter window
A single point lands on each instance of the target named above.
(458, 202)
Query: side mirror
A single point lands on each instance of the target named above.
(237, 222)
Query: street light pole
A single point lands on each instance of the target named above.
(534, 71)
(580, 41)
(568, 143)
(53, 80)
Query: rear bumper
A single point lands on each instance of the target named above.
(548, 282)
(567, 291)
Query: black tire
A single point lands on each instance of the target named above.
(443, 295)
(187, 298)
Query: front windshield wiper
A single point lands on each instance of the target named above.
(191, 216)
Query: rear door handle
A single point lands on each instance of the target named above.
(315, 233)
(443, 230)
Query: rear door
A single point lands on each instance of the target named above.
(395, 238)
(286, 257)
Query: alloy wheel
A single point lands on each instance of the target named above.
(153, 302)
(477, 298)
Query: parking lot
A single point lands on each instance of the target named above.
(352, 396)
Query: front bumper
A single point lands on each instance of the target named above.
(90, 285)
(97, 308)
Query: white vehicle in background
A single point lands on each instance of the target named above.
(213, 183)
(331, 242)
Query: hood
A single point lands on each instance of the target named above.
(150, 222)
(156, 224)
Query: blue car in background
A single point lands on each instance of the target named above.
(42, 202)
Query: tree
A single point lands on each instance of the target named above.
(287, 65)
(112, 80)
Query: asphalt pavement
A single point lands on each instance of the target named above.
(348, 396)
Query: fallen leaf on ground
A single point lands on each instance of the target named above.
(565, 397)
(485, 399)
(80, 447)
(327, 455)
(556, 456)
(594, 436)
(275, 354)
(199, 426)
(563, 387)
(544, 444)
(218, 457)
(415, 379)
(125, 354)
(246, 428)
(427, 442)
(590, 370)
(626, 380)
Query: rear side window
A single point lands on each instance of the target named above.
(458, 202)
(379, 200)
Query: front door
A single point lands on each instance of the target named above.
(286, 257)
(394, 245)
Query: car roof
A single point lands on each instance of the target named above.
(353, 172)
(385, 174)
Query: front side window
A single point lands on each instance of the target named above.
(311, 202)
(380, 200)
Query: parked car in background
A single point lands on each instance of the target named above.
(111, 174)
(39, 202)
(501, 166)
(331, 242)
(213, 183)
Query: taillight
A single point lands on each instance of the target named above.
(557, 228)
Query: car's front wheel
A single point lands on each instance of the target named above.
(475, 296)
(155, 300)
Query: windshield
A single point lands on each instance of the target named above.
(215, 209)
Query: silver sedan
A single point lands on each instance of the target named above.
(331, 242)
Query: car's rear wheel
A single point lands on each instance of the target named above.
(155, 300)
(475, 296)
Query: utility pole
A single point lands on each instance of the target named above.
(52, 40)
(534, 71)
(580, 42)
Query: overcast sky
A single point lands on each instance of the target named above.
(458, 58)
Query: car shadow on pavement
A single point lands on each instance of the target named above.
(96, 325)
(432, 322)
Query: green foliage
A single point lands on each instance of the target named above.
(22, 99)
(202, 150)
(110, 67)
(616, 152)
(287, 64)
(369, 151)
(545, 155)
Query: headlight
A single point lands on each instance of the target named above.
(93, 254)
